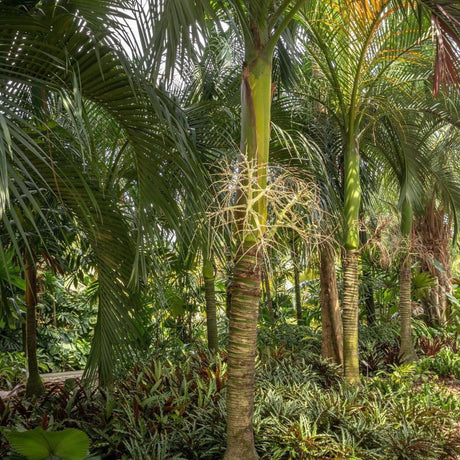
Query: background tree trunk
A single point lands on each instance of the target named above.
(331, 316)
(34, 385)
(268, 294)
(406, 352)
(210, 298)
(368, 291)
(298, 299)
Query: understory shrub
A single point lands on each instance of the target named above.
(378, 347)
(12, 368)
(446, 363)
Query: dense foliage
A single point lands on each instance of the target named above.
(239, 219)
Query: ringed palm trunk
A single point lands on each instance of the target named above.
(406, 352)
(34, 385)
(255, 136)
(256, 96)
(210, 298)
(350, 260)
(331, 317)
(368, 291)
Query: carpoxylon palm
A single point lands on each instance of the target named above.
(41, 239)
(402, 163)
(261, 25)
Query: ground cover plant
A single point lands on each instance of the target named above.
(174, 407)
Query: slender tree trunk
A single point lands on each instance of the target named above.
(350, 317)
(228, 297)
(369, 300)
(331, 316)
(54, 314)
(24, 337)
(256, 93)
(228, 283)
(368, 291)
(268, 294)
(34, 385)
(352, 196)
(406, 352)
(210, 298)
(298, 299)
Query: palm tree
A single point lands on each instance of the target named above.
(89, 70)
(436, 219)
(416, 153)
(357, 51)
(261, 25)
(402, 163)
(42, 246)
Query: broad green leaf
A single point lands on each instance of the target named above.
(31, 444)
(37, 444)
(70, 444)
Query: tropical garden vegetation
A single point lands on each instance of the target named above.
(239, 219)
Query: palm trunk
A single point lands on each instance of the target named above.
(350, 260)
(350, 317)
(434, 232)
(331, 317)
(242, 353)
(255, 136)
(34, 386)
(256, 98)
(368, 291)
(298, 300)
(210, 298)
(406, 352)
(268, 294)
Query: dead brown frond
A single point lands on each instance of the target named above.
(445, 20)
